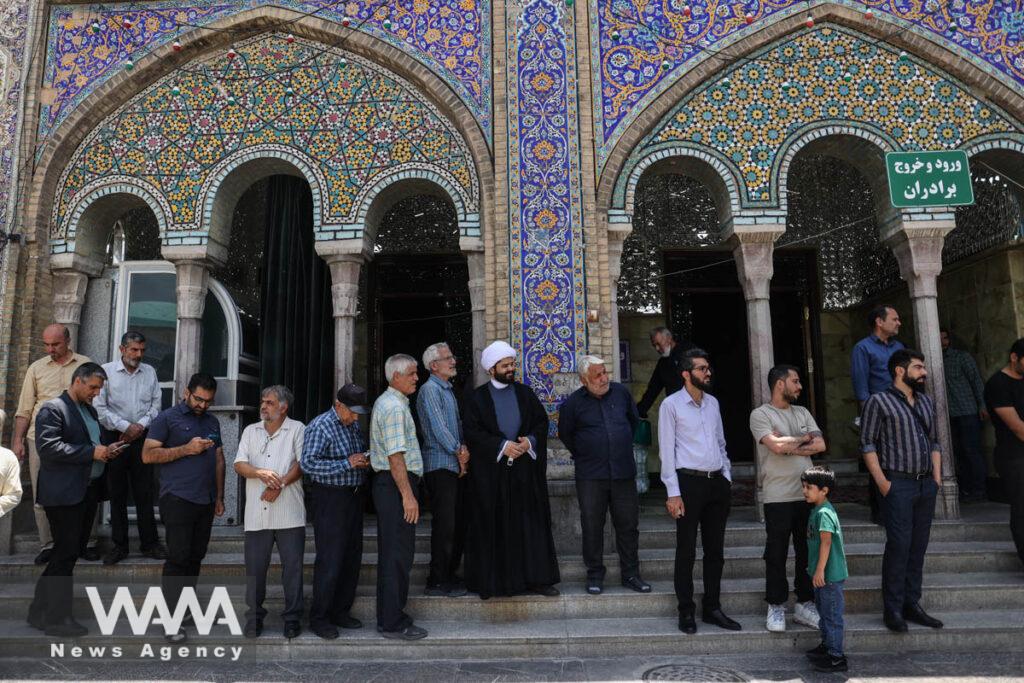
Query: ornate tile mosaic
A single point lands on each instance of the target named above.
(14, 27)
(545, 217)
(749, 116)
(352, 121)
(451, 37)
(639, 48)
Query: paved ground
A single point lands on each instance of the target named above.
(917, 667)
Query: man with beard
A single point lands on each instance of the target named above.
(666, 372)
(698, 478)
(901, 451)
(509, 547)
(1004, 394)
(786, 436)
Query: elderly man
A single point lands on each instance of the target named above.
(596, 424)
(509, 547)
(396, 459)
(70, 487)
(445, 457)
(275, 511)
(185, 441)
(335, 459)
(45, 379)
(697, 474)
(666, 372)
(10, 476)
(127, 404)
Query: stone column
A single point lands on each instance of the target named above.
(477, 286)
(616, 239)
(345, 258)
(917, 245)
(71, 275)
(192, 286)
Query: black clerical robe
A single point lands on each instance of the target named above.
(509, 546)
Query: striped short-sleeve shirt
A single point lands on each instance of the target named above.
(902, 435)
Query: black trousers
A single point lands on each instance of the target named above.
(907, 512)
(596, 497)
(338, 531)
(782, 522)
(1011, 473)
(706, 505)
(70, 526)
(396, 546)
(447, 525)
(124, 471)
(259, 547)
(187, 527)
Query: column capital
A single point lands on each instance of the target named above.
(358, 249)
(77, 263)
(210, 256)
(917, 246)
(753, 247)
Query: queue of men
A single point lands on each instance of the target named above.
(483, 464)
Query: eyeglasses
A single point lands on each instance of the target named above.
(701, 368)
(443, 359)
(199, 399)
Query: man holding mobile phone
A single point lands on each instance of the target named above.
(185, 441)
(127, 405)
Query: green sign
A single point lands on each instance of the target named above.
(929, 178)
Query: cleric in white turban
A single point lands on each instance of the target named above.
(509, 547)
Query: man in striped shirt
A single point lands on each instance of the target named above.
(334, 458)
(901, 450)
(444, 463)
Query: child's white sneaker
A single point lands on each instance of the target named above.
(806, 613)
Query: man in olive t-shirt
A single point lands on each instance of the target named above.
(786, 437)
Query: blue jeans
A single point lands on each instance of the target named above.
(967, 447)
(829, 601)
(907, 509)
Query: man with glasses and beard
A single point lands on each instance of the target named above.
(698, 477)
(509, 546)
(901, 450)
(185, 441)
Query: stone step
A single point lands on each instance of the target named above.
(656, 563)
(965, 631)
(943, 592)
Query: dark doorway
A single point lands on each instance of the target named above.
(706, 305)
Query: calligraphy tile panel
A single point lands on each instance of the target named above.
(545, 215)
(451, 37)
(639, 48)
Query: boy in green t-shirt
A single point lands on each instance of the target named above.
(826, 563)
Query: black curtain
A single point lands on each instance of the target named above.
(297, 331)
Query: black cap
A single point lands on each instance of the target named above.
(353, 397)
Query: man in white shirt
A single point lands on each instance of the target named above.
(127, 404)
(275, 512)
(698, 477)
(10, 476)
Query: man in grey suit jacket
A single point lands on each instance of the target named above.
(71, 468)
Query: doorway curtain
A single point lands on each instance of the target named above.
(297, 330)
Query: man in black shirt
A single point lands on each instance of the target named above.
(1004, 396)
(666, 373)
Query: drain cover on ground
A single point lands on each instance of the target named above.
(692, 672)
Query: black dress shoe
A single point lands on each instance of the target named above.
(817, 651)
(435, 591)
(253, 628)
(325, 631)
(115, 555)
(455, 590)
(917, 615)
(894, 622)
(637, 584)
(44, 556)
(717, 617)
(157, 552)
(687, 624)
(292, 629)
(546, 591)
(36, 620)
(410, 632)
(594, 587)
(347, 621)
(829, 664)
(90, 555)
(67, 628)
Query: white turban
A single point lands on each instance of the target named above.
(494, 353)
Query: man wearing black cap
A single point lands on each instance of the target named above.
(334, 458)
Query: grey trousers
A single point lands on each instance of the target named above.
(259, 546)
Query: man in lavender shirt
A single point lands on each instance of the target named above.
(697, 474)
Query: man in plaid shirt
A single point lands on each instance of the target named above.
(334, 458)
(966, 396)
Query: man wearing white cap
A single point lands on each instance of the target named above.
(509, 547)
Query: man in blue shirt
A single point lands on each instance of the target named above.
(185, 441)
(335, 460)
(445, 457)
(596, 424)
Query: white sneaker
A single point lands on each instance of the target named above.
(806, 613)
(776, 621)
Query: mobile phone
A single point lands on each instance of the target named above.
(214, 437)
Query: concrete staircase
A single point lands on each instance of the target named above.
(973, 582)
